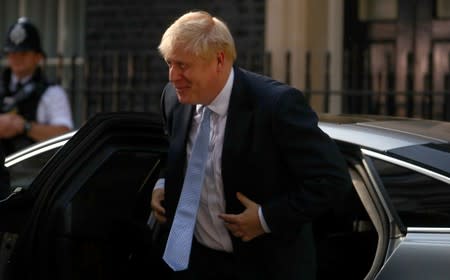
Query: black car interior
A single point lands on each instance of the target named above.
(346, 238)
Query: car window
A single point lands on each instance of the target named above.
(420, 201)
(105, 203)
(23, 172)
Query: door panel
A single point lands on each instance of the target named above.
(418, 39)
(441, 84)
(100, 225)
(382, 56)
(419, 256)
(90, 218)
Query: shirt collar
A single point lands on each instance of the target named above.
(220, 104)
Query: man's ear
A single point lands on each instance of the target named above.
(220, 59)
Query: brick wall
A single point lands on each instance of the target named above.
(124, 70)
(138, 24)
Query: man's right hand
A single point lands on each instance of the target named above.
(158, 209)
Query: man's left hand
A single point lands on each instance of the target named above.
(245, 225)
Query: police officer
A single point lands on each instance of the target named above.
(32, 108)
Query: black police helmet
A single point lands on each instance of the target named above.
(23, 36)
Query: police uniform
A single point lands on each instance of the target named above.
(33, 97)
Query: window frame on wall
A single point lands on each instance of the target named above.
(442, 9)
(377, 10)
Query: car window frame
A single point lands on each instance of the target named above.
(383, 194)
(32, 152)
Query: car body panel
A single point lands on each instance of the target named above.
(419, 256)
(373, 138)
(431, 129)
(434, 130)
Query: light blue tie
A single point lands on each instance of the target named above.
(178, 247)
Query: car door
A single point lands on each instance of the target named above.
(353, 237)
(92, 202)
(418, 202)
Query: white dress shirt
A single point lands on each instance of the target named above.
(210, 229)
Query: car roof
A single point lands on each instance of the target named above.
(384, 133)
(422, 142)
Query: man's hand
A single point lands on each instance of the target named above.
(245, 225)
(11, 125)
(158, 209)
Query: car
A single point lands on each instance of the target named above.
(398, 217)
(79, 204)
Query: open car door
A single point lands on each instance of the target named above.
(92, 203)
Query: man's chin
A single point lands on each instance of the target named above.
(183, 99)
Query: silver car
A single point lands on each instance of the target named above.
(79, 204)
(401, 224)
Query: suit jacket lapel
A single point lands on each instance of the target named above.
(237, 130)
(182, 118)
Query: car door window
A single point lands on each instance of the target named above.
(23, 172)
(100, 217)
(420, 201)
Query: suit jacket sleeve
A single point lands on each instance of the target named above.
(318, 175)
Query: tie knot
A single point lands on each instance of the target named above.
(205, 117)
(206, 112)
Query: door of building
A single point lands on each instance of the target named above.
(398, 50)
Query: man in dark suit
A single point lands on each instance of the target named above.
(270, 170)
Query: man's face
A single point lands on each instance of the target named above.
(196, 79)
(23, 63)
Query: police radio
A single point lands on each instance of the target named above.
(10, 102)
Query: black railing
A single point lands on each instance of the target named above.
(117, 81)
(404, 104)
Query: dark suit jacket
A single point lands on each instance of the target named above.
(275, 154)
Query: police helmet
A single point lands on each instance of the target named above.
(23, 36)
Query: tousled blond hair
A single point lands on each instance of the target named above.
(199, 33)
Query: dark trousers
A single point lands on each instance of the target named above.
(206, 263)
